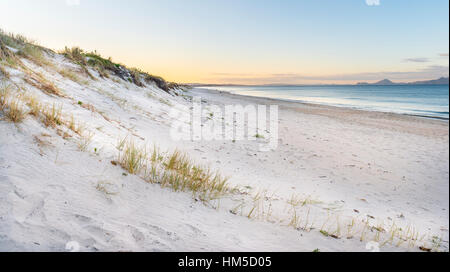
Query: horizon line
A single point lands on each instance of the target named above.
(362, 83)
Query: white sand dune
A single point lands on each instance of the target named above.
(358, 177)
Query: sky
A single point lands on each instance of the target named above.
(248, 41)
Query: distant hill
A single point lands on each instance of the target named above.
(385, 82)
(440, 81)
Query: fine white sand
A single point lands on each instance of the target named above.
(339, 178)
(385, 165)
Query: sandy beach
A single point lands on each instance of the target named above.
(339, 180)
(225, 132)
(381, 164)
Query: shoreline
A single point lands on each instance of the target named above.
(306, 103)
(412, 124)
(390, 166)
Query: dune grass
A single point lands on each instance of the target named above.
(27, 49)
(103, 65)
(16, 106)
(4, 73)
(174, 170)
(52, 115)
(136, 75)
(11, 105)
(16, 111)
(185, 175)
(34, 104)
(38, 81)
(85, 140)
(72, 76)
(5, 91)
(35, 54)
(14, 40)
(132, 157)
(76, 55)
(7, 57)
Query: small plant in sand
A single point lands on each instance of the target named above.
(74, 126)
(11, 105)
(295, 220)
(52, 115)
(261, 206)
(5, 92)
(4, 73)
(106, 188)
(34, 104)
(71, 123)
(165, 102)
(132, 157)
(85, 141)
(259, 136)
(14, 110)
(121, 142)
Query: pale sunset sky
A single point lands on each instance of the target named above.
(246, 41)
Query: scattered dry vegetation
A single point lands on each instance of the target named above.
(30, 50)
(7, 57)
(5, 91)
(52, 115)
(11, 105)
(132, 158)
(15, 110)
(34, 104)
(39, 81)
(76, 55)
(85, 140)
(3, 72)
(16, 105)
(103, 66)
(67, 73)
(136, 76)
(106, 188)
(26, 48)
(175, 170)
(14, 40)
(34, 53)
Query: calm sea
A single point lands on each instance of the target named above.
(421, 100)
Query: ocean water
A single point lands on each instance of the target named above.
(420, 100)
